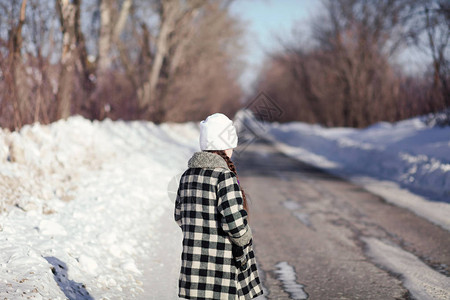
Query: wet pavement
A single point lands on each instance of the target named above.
(314, 234)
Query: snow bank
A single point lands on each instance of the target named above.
(420, 280)
(79, 204)
(405, 155)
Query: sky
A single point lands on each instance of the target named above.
(266, 21)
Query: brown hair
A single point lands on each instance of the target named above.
(233, 169)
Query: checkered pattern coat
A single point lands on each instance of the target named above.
(209, 209)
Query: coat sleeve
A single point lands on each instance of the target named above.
(230, 206)
(177, 211)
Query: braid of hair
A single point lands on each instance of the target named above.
(233, 169)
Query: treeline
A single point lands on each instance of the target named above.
(130, 59)
(347, 73)
(176, 60)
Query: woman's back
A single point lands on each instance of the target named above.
(209, 209)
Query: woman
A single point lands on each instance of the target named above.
(218, 261)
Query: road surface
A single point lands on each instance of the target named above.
(317, 236)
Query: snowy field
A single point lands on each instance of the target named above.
(85, 210)
(407, 163)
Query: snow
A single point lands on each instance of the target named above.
(420, 280)
(286, 274)
(295, 208)
(407, 163)
(436, 212)
(80, 206)
(51, 228)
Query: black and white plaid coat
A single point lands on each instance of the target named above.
(209, 209)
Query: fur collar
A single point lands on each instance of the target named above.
(207, 160)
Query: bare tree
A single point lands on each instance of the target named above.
(437, 28)
(173, 14)
(113, 19)
(359, 41)
(349, 77)
(155, 59)
(69, 16)
(15, 76)
(112, 25)
(199, 65)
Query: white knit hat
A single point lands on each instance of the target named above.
(217, 132)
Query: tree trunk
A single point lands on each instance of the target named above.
(147, 94)
(110, 31)
(68, 11)
(17, 73)
(104, 40)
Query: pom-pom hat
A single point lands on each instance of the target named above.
(217, 132)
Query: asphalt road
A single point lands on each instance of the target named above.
(317, 236)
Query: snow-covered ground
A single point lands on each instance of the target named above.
(407, 163)
(86, 210)
(81, 204)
